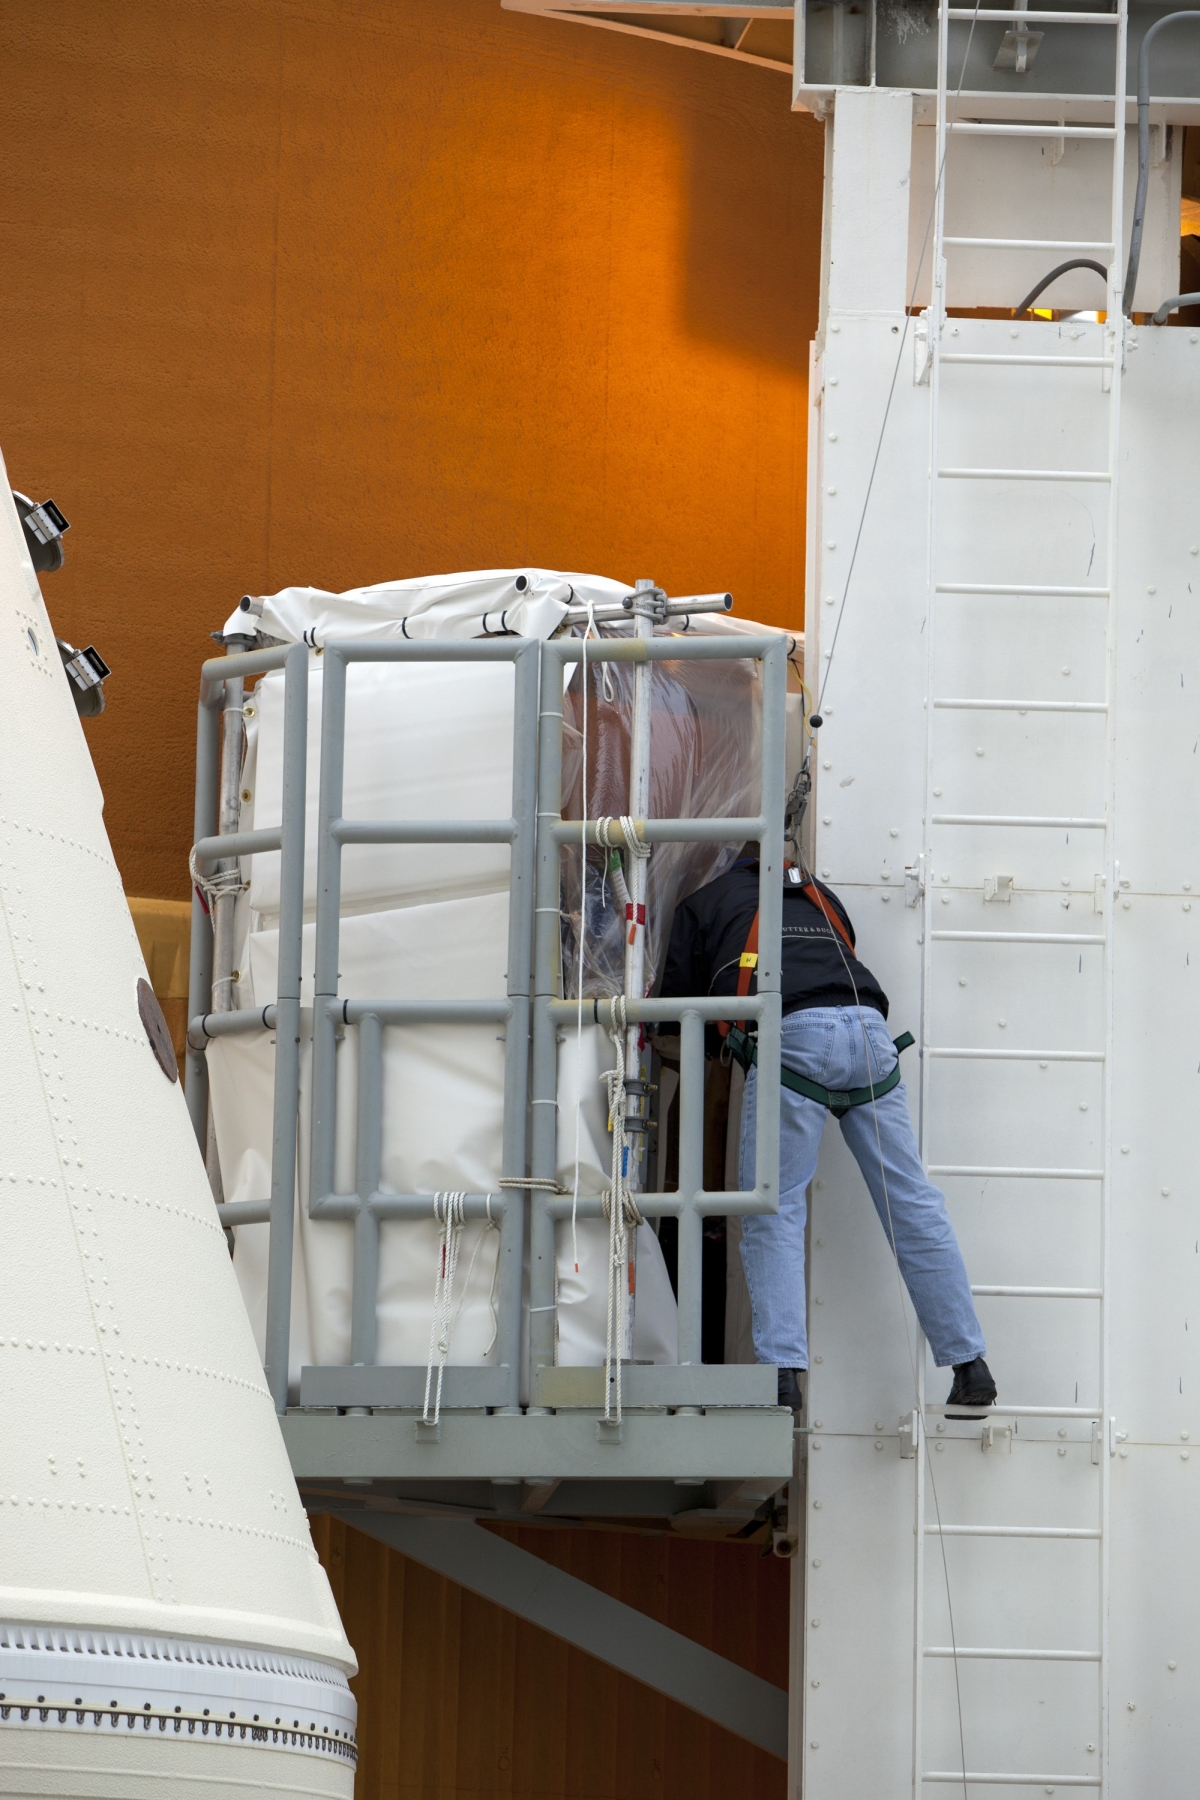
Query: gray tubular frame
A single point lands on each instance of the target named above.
(552, 1013)
(532, 1013)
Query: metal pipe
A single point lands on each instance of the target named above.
(1143, 174)
(201, 956)
(421, 1012)
(547, 986)
(664, 649)
(644, 607)
(658, 1011)
(364, 1294)
(346, 1207)
(618, 611)
(424, 831)
(690, 1265)
(1173, 305)
(511, 1253)
(735, 830)
(212, 849)
(287, 1031)
(328, 926)
(228, 819)
(770, 922)
(243, 1019)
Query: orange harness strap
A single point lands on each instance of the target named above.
(748, 961)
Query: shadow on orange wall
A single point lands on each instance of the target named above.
(332, 291)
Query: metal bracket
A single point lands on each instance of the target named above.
(991, 1432)
(1115, 1437)
(910, 1435)
(1098, 889)
(922, 350)
(998, 888)
(45, 521)
(914, 881)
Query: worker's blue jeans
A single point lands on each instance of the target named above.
(826, 1043)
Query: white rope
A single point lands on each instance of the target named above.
(491, 1225)
(448, 1209)
(221, 882)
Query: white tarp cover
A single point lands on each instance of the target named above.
(419, 922)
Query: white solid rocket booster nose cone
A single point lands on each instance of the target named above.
(165, 1626)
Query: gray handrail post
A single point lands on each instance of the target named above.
(547, 986)
(770, 919)
(287, 1026)
(690, 1251)
(208, 741)
(364, 1295)
(328, 926)
(511, 1277)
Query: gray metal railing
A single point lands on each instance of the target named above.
(532, 1014)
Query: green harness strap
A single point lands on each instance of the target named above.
(744, 1047)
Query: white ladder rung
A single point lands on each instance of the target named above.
(1019, 1412)
(989, 1779)
(998, 128)
(1022, 590)
(1022, 706)
(977, 1653)
(988, 1055)
(1039, 1293)
(990, 243)
(1049, 821)
(991, 1172)
(1024, 475)
(932, 1529)
(1029, 362)
(1033, 18)
(1015, 937)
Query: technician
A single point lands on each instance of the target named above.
(837, 1057)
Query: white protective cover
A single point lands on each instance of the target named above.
(146, 1488)
(418, 922)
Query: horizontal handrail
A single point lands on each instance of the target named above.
(238, 843)
(424, 831)
(659, 1011)
(668, 831)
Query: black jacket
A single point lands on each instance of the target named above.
(710, 931)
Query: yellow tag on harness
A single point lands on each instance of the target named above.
(748, 959)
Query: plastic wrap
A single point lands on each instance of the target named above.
(705, 728)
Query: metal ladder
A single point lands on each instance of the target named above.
(946, 585)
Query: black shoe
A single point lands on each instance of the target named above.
(791, 1389)
(973, 1388)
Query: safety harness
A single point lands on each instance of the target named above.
(742, 1046)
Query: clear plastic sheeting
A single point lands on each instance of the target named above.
(705, 726)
